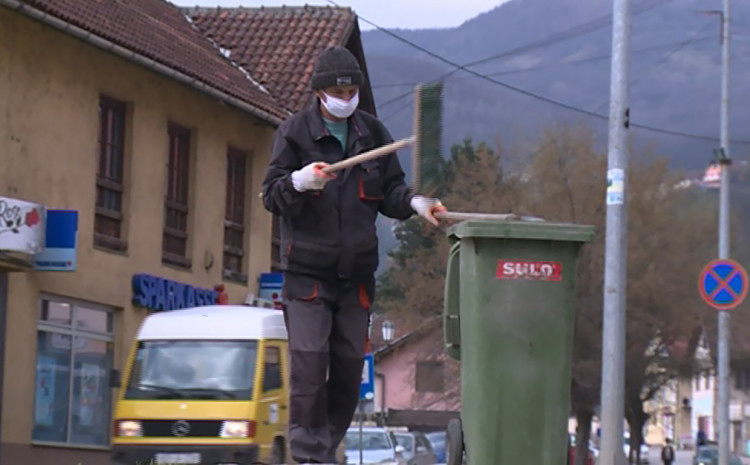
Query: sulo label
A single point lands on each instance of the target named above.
(529, 270)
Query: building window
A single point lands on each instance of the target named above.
(742, 379)
(234, 216)
(109, 175)
(72, 402)
(174, 249)
(429, 377)
(272, 369)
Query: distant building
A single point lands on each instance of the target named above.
(712, 176)
(416, 383)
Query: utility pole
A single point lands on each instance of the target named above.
(615, 266)
(725, 160)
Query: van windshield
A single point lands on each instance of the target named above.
(193, 370)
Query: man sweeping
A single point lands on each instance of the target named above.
(329, 248)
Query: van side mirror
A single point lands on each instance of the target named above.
(115, 380)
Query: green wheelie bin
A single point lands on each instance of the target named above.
(509, 316)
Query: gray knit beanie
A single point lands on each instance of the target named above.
(336, 66)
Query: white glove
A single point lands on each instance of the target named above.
(311, 177)
(426, 208)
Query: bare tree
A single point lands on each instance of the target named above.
(564, 181)
(668, 242)
(567, 182)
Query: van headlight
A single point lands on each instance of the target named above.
(235, 429)
(129, 428)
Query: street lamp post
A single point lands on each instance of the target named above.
(388, 330)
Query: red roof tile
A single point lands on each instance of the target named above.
(279, 46)
(158, 30)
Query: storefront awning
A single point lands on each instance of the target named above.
(421, 419)
(10, 262)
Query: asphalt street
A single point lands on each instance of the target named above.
(684, 457)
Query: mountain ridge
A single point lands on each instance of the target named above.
(675, 73)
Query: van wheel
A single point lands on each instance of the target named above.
(277, 452)
(454, 443)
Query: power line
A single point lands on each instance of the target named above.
(397, 98)
(571, 33)
(664, 59)
(533, 95)
(398, 110)
(577, 31)
(553, 39)
(582, 60)
(549, 66)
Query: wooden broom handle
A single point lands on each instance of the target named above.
(369, 155)
(461, 216)
(365, 156)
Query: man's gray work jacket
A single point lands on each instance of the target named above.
(330, 234)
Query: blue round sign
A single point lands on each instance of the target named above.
(723, 284)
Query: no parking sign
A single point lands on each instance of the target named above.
(723, 284)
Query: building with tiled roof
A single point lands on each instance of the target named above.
(121, 117)
(279, 46)
(416, 383)
(157, 35)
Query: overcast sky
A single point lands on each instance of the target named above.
(408, 14)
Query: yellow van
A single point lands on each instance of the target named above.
(206, 385)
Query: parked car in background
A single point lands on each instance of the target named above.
(378, 446)
(417, 449)
(590, 458)
(437, 439)
(709, 455)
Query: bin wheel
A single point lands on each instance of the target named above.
(454, 443)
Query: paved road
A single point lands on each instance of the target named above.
(684, 457)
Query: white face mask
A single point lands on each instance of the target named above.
(341, 108)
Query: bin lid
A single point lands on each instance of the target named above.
(535, 230)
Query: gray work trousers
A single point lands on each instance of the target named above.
(327, 326)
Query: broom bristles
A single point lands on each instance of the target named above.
(416, 154)
(427, 158)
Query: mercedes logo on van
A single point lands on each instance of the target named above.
(180, 428)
